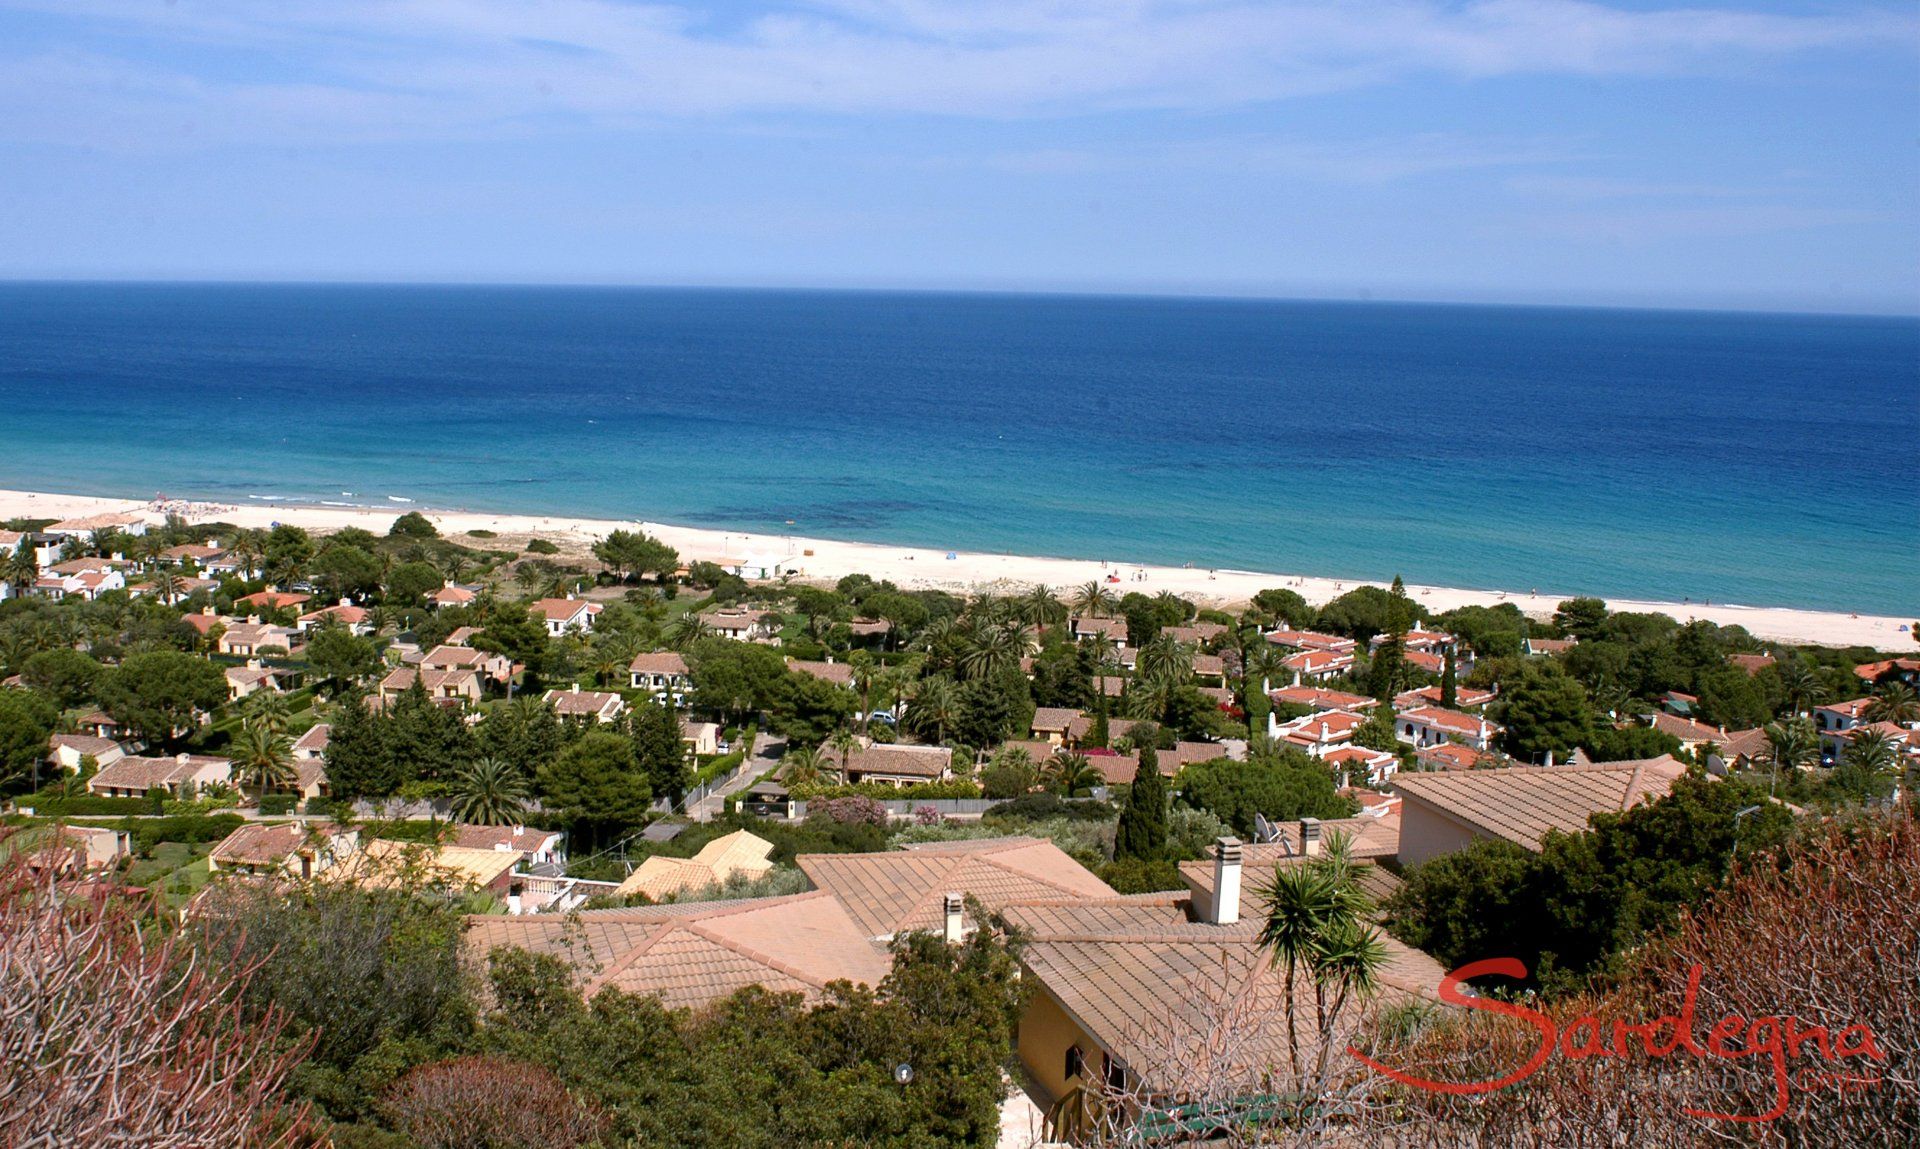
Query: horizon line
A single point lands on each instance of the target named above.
(1362, 297)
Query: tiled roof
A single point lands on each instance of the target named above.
(1127, 970)
(143, 774)
(562, 609)
(1052, 718)
(1686, 729)
(1451, 721)
(582, 703)
(83, 744)
(692, 954)
(737, 853)
(1310, 640)
(518, 839)
(1321, 699)
(1193, 633)
(906, 761)
(1431, 695)
(314, 741)
(838, 673)
(1522, 803)
(659, 662)
(258, 844)
(904, 889)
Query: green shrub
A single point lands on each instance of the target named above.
(274, 805)
(541, 547)
(54, 806)
(1138, 876)
(481, 533)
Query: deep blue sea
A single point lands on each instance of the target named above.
(1762, 459)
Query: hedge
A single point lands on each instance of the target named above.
(84, 805)
(957, 788)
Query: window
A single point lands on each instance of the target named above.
(1076, 1063)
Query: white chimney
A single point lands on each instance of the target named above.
(1226, 882)
(1310, 836)
(955, 904)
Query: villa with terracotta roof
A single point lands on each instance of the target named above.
(900, 890)
(1320, 698)
(132, 777)
(1464, 697)
(737, 854)
(1316, 664)
(1085, 627)
(664, 674)
(1834, 720)
(246, 639)
(285, 849)
(354, 618)
(900, 765)
(1117, 982)
(1426, 726)
(1452, 756)
(536, 847)
(1318, 733)
(586, 705)
(1442, 813)
(743, 625)
(1312, 640)
(836, 673)
(1374, 767)
(66, 750)
(561, 615)
(443, 686)
(691, 954)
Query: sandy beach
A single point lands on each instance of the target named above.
(960, 571)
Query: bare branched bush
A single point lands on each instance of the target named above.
(113, 1032)
(1820, 939)
(490, 1103)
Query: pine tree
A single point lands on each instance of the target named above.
(359, 763)
(1142, 832)
(662, 755)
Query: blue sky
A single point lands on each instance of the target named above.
(1732, 155)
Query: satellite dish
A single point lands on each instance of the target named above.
(903, 1073)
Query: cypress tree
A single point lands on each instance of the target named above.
(1097, 734)
(1449, 684)
(1142, 832)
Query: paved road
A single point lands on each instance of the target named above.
(767, 750)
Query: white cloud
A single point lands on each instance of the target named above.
(120, 70)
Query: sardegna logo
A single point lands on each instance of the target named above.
(1777, 1038)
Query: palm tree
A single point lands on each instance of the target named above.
(1038, 607)
(802, 767)
(683, 632)
(1316, 919)
(1894, 702)
(22, 569)
(1300, 899)
(992, 648)
(245, 548)
(490, 792)
(935, 706)
(267, 708)
(1799, 683)
(845, 744)
(1094, 599)
(262, 758)
(1871, 753)
(612, 654)
(1791, 745)
(166, 584)
(1069, 773)
(1165, 655)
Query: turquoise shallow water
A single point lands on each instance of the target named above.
(1761, 459)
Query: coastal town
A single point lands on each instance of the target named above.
(1124, 818)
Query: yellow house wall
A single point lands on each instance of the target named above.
(1046, 1032)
